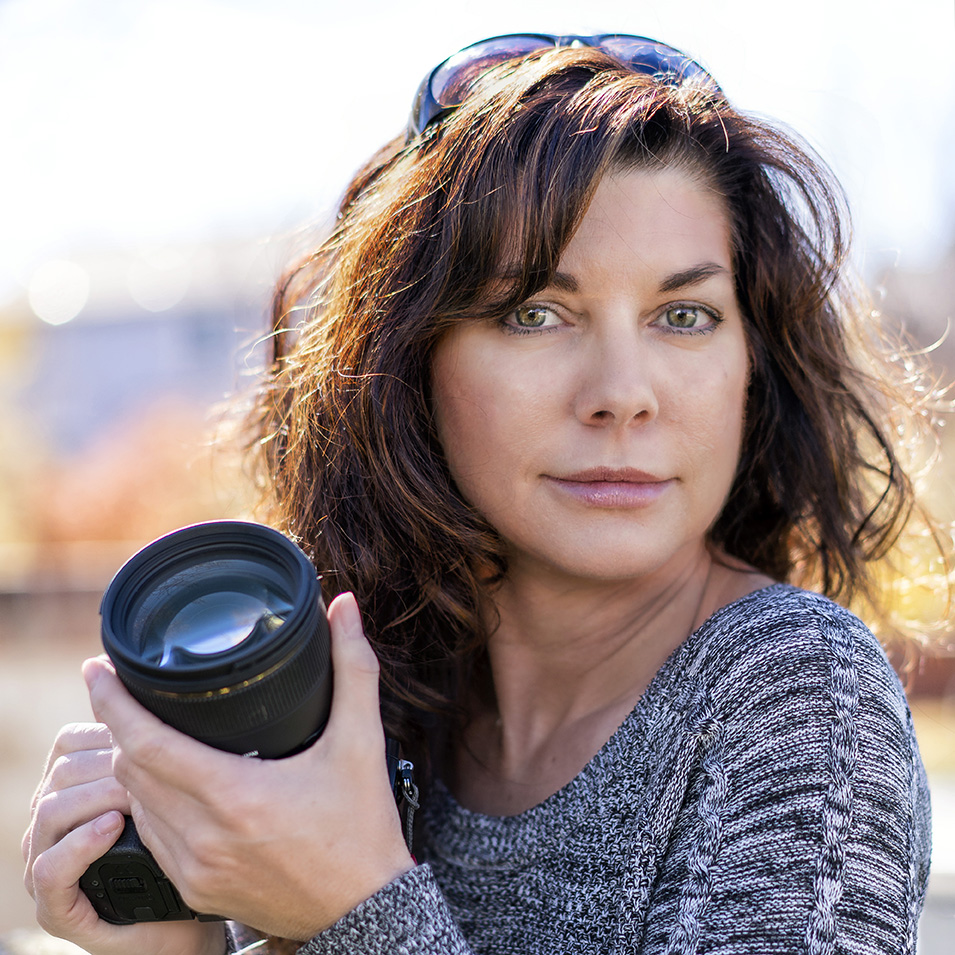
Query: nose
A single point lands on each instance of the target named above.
(616, 382)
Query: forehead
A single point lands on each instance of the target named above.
(659, 219)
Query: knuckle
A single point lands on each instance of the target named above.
(234, 816)
(76, 736)
(43, 875)
(197, 872)
(61, 771)
(205, 855)
(197, 899)
(115, 794)
(65, 741)
(54, 780)
(370, 665)
(363, 752)
(141, 746)
(367, 655)
(45, 811)
(205, 878)
(26, 844)
(28, 878)
(122, 769)
(371, 753)
(362, 660)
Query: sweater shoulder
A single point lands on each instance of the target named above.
(784, 641)
(783, 620)
(801, 620)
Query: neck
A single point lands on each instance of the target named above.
(569, 659)
(564, 649)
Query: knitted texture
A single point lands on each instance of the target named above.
(765, 795)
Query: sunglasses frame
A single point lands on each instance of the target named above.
(649, 56)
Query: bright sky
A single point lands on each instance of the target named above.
(137, 123)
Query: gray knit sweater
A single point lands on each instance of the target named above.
(766, 795)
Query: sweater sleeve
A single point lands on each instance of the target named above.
(407, 917)
(806, 826)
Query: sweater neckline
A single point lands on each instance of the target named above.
(521, 832)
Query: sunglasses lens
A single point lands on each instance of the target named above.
(643, 55)
(452, 81)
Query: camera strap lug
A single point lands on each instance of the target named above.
(403, 787)
(409, 800)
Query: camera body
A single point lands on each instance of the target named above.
(127, 885)
(219, 630)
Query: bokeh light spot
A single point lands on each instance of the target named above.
(58, 291)
(158, 280)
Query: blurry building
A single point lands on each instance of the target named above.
(174, 322)
(112, 367)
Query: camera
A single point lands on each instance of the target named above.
(219, 630)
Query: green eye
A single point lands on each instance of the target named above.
(530, 316)
(684, 316)
(688, 319)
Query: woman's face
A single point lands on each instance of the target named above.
(598, 426)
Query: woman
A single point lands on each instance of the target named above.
(574, 392)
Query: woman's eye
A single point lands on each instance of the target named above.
(689, 318)
(531, 317)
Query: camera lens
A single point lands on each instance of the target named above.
(205, 609)
(219, 630)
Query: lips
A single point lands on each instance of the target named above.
(612, 487)
(611, 476)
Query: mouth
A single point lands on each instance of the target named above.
(611, 487)
(603, 475)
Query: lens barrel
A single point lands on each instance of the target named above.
(219, 629)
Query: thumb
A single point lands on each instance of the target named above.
(354, 664)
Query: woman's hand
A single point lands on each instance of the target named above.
(77, 815)
(287, 846)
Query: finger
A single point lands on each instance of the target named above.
(53, 878)
(74, 769)
(355, 711)
(62, 909)
(73, 738)
(59, 813)
(79, 736)
(69, 783)
(145, 749)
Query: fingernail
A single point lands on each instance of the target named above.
(90, 677)
(350, 616)
(91, 671)
(108, 824)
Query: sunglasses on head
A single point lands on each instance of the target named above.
(450, 82)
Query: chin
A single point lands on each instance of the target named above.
(600, 563)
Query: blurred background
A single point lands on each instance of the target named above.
(162, 160)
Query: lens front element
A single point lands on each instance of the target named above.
(207, 608)
(219, 630)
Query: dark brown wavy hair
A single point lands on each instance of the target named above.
(343, 422)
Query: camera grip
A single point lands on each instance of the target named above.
(126, 885)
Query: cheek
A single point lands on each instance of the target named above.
(466, 435)
(493, 423)
(715, 410)
(465, 414)
(485, 405)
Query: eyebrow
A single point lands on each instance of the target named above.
(694, 275)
